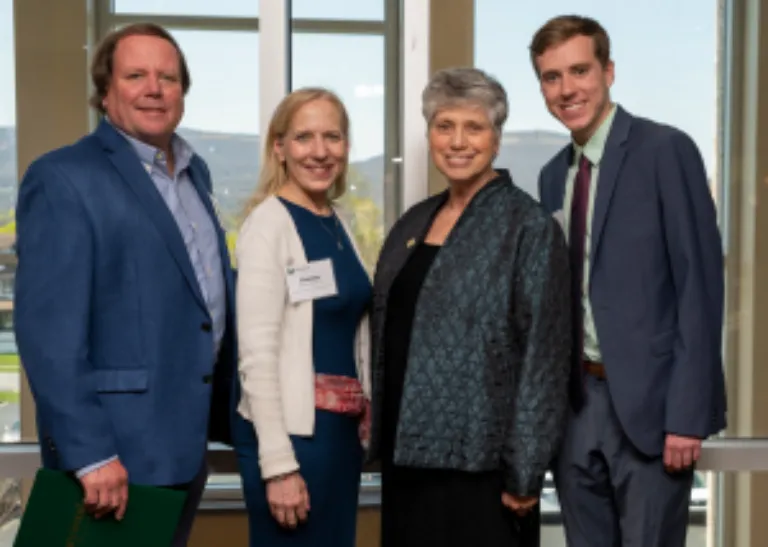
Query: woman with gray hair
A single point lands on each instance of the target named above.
(471, 340)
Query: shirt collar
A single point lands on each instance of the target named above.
(595, 146)
(151, 155)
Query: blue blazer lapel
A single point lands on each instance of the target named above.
(128, 165)
(613, 158)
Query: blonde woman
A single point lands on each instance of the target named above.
(302, 298)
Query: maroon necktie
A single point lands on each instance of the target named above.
(577, 241)
(578, 223)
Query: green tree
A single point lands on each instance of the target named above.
(364, 216)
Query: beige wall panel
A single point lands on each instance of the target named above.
(452, 43)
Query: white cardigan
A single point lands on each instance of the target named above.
(275, 337)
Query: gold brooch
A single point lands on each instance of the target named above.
(411, 243)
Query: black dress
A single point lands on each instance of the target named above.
(434, 507)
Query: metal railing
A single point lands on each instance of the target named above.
(223, 493)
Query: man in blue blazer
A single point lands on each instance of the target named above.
(124, 308)
(647, 263)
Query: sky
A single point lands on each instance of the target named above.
(665, 54)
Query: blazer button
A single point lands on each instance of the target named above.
(208, 378)
(206, 327)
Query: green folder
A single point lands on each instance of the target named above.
(55, 516)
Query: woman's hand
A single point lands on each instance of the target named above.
(288, 499)
(519, 504)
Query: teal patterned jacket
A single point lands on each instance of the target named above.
(486, 385)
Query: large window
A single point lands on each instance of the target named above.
(343, 10)
(222, 112)
(666, 69)
(10, 431)
(9, 361)
(203, 8)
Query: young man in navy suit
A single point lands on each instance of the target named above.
(124, 307)
(647, 267)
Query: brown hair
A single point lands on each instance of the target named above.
(564, 27)
(273, 174)
(102, 63)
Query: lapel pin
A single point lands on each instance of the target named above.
(411, 243)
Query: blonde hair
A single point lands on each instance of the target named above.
(273, 175)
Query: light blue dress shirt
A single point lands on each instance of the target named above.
(196, 227)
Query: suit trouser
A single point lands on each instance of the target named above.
(194, 491)
(611, 495)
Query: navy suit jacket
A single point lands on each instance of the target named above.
(111, 325)
(656, 280)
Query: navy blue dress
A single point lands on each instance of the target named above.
(330, 461)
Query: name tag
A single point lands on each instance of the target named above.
(310, 282)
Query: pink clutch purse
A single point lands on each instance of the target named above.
(344, 395)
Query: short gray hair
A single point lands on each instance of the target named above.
(465, 86)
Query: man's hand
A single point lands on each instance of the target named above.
(680, 453)
(519, 504)
(106, 490)
(288, 499)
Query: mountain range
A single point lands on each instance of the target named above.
(234, 162)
